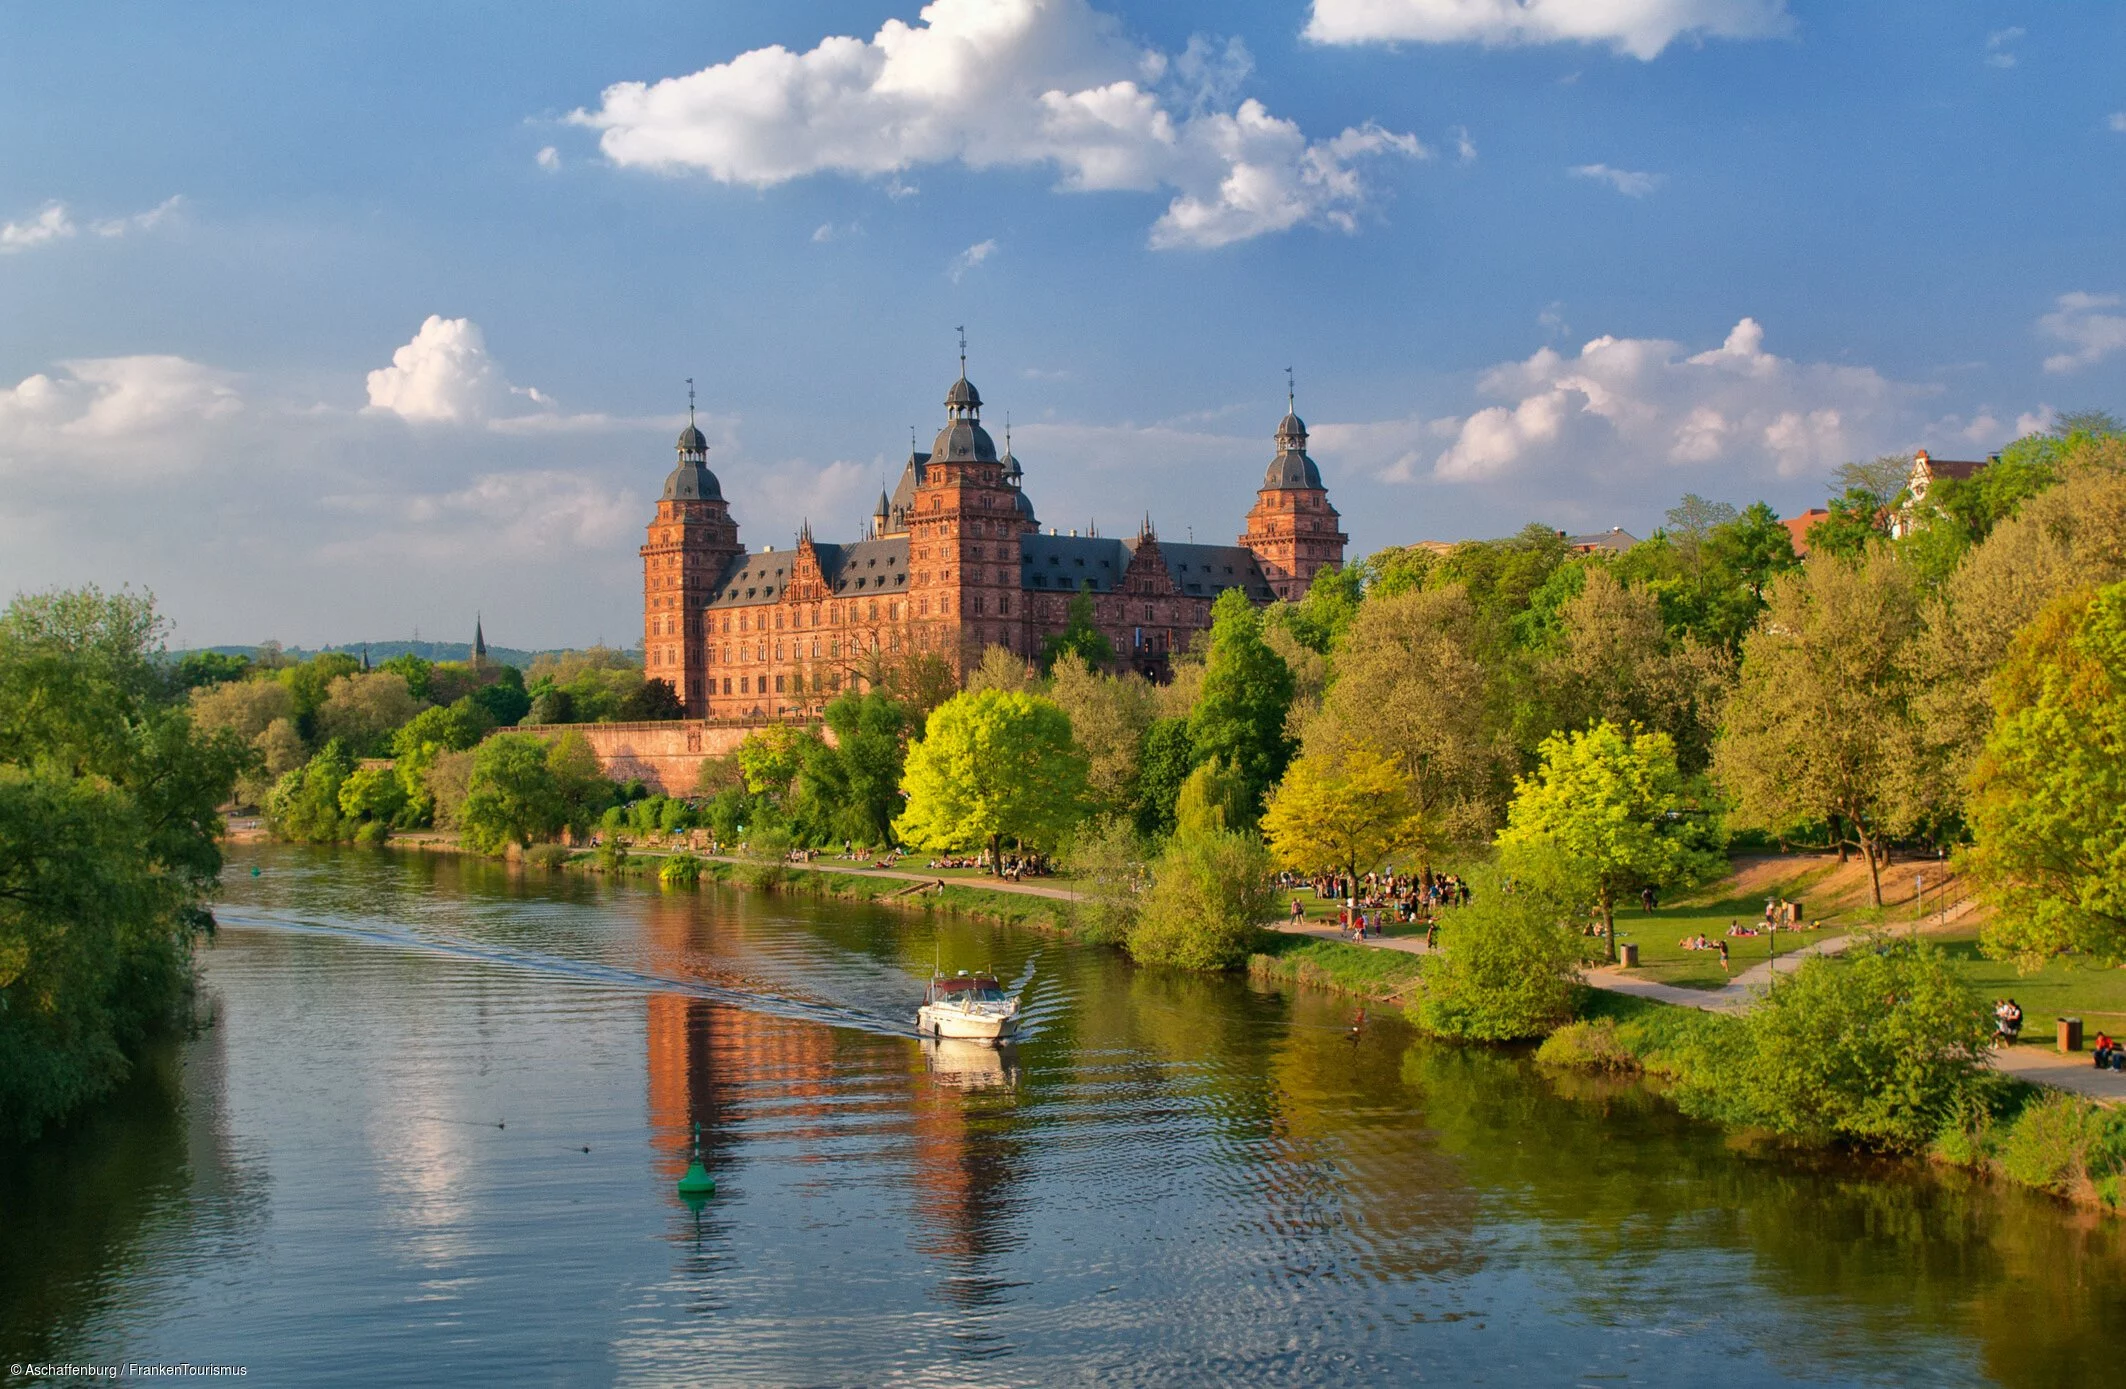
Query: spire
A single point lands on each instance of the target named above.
(479, 641)
(690, 398)
(962, 331)
(1291, 393)
(804, 532)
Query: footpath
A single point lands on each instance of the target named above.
(2034, 1062)
(858, 869)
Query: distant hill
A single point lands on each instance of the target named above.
(381, 651)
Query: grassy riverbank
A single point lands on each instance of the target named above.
(1389, 976)
(2046, 1139)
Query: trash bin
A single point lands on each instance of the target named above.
(1629, 955)
(2070, 1035)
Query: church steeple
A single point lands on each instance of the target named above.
(479, 643)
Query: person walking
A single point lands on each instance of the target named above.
(1723, 957)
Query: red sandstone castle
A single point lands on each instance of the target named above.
(955, 561)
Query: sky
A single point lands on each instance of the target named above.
(342, 323)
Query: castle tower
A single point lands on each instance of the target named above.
(963, 536)
(1292, 529)
(689, 545)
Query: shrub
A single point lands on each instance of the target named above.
(1210, 893)
(2064, 1145)
(612, 854)
(1587, 1046)
(1883, 1047)
(547, 858)
(1509, 970)
(680, 870)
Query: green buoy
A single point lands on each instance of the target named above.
(697, 1182)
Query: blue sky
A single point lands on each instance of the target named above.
(335, 323)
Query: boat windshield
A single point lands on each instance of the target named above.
(968, 988)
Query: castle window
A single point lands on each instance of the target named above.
(900, 578)
(893, 612)
(874, 610)
(744, 684)
(778, 622)
(1004, 606)
(727, 684)
(922, 607)
(778, 684)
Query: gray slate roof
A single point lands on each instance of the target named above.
(855, 570)
(692, 482)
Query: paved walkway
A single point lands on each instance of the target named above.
(863, 870)
(2040, 1065)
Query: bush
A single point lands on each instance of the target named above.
(1509, 970)
(680, 870)
(1210, 894)
(612, 854)
(1883, 1047)
(1587, 1046)
(2064, 1145)
(548, 858)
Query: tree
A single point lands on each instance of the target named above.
(770, 758)
(870, 730)
(1509, 967)
(1319, 620)
(1111, 863)
(416, 671)
(1001, 669)
(1081, 638)
(372, 798)
(2070, 536)
(108, 846)
(1168, 757)
(992, 765)
(1213, 798)
(305, 804)
(1694, 519)
(1349, 815)
(651, 701)
(246, 708)
(1246, 691)
(1740, 559)
(1615, 813)
(504, 698)
(365, 710)
(198, 669)
(2048, 793)
(1411, 687)
(1210, 893)
(1108, 715)
(511, 796)
(1820, 727)
(1857, 520)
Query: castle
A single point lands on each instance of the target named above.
(954, 561)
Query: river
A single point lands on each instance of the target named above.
(432, 1133)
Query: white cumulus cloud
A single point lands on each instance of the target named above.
(1641, 402)
(50, 224)
(445, 376)
(134, 401)
(1630, 183)
(1004, 83)
(1641, 28)
(2000, 47)
(2078, 320)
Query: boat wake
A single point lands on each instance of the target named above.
(584, 973)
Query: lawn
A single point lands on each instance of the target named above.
(2061, 988)
(1709, 913)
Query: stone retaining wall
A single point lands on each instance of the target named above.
(665, 756)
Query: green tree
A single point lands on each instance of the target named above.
(1213, 798)
(311, 681)
(993, 765)
(1510, 963)
(418, 673)
(870, 732)
(2048, 793)
(1081, 637)
(512, 795)
(1350, 816)
(363, 711)
(1210, 894)
(1616, 813)
(1319, 619)
(651, 701)
(1112, 864)
(197, 669)
(108, 846)
(1820, 727)
(770, 758)
(504, 698)
(1168, 757)
(305, 804)
(1246, 690)
(1740, 559)
(1693, 520)
(1108, 715)
(372, 799)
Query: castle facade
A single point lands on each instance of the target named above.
(954, 561)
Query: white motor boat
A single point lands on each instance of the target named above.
(970, 1007)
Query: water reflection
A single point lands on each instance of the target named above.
(1173, 1178)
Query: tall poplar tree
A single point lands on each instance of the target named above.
(1247, 689)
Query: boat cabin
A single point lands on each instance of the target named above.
(964, 988)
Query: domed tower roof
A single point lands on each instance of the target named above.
(963, 395)
(1291, 467)
(692, 481)
(963, 440)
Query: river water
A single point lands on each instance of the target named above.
(432, 1134)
